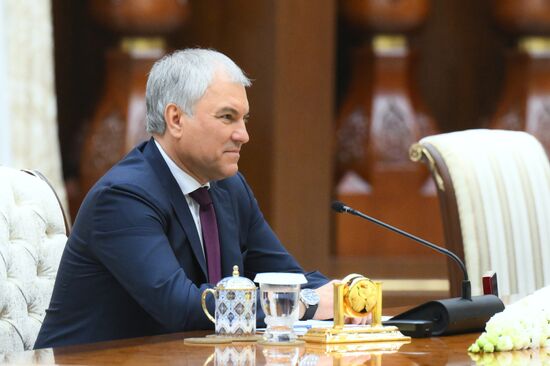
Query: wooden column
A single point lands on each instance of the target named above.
(303, 94)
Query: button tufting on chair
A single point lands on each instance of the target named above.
(33, 233)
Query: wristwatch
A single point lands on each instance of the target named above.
(310, 299)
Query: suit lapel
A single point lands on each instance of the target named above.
(186, 221)
(183, 214)
(227, 229)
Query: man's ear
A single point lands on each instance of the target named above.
(173, 118)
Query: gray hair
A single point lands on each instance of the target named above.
(182, 78)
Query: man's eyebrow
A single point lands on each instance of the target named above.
(228, 110)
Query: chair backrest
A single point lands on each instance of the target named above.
(33, 233)
(494, 192)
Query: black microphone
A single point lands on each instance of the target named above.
(450, 316)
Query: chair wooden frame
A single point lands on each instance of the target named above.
(41, 176)
(429, 155)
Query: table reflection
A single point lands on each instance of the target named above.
(171, 349)
(282, 355)
(525, 357)
(291, 355)
(348, 359)
(233, 355)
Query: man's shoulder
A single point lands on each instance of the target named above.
(132, 169)
(133, 173)
(234, 184)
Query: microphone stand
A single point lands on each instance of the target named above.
(449, 316)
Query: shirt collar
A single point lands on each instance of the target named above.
(186, 182)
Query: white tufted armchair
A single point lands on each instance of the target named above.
(33, 233)
(494, 191)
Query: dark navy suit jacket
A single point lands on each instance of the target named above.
(134, 266)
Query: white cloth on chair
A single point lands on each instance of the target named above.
(501, 181)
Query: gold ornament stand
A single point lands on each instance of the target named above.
(352, 292)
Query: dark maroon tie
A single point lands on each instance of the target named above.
(211, 240)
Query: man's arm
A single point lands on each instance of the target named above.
(129, 239)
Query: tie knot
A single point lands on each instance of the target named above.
(202, 196)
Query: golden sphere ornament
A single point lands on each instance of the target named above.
(360, 295)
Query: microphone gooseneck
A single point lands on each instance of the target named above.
(466, 287)
(448, 316)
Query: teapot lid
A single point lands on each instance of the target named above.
(236, 282)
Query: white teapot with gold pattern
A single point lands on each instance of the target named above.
(235, 313)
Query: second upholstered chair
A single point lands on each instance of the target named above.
(494, 192)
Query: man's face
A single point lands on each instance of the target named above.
(211, 140)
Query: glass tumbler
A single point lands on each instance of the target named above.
(279, 298)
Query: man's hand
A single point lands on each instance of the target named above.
(325, 310)
(361, 321)
(326, 301)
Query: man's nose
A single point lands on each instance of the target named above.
(241, 134)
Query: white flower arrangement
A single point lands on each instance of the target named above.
(522, 325)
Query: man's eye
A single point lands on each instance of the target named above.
(226, 117)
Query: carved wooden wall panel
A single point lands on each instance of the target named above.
(118, 121)
(381, 116)
(525, 100)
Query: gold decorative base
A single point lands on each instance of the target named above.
(355, 334)
(341, 348)
(356, 296)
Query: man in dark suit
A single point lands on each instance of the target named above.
(137, 259)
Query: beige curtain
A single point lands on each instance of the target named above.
(28, 113)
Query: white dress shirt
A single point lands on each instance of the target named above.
(187, 185)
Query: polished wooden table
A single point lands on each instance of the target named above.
(171, 350)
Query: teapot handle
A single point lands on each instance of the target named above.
(203, 302)
(209, 359)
